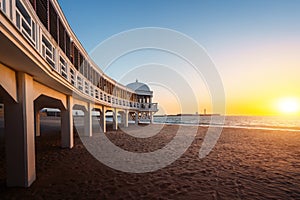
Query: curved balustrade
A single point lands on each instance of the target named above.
(51, 39)
(148, 107)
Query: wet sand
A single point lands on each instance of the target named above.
(245, 164)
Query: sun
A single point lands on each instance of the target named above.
(288, 105)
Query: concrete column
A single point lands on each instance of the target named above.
(123, 119)
(126, 118)
(37, 123)
(136, 118)
(67, 139)
(151, 117)
(19, 135)
(115, 119)
(88, 121)
(103, 119)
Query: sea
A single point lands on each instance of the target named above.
(289, 123)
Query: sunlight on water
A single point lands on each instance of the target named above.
(259, 122)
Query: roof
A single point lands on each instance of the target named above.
(140, 88)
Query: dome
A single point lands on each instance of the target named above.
(140, 88)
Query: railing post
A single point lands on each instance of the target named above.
(13, 11)
(7, 8)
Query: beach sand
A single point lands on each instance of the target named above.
(245, 164)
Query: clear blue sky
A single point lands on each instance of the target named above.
(212, 23)
(245, 38)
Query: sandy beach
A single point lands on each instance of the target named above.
(245, 164)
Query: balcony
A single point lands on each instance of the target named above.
(42, 35)
(148, 107)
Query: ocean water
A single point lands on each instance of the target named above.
(254, 122)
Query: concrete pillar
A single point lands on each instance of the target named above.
(103, 119)
(67, 139)
(151, 117)
(19, 135)
(126, 118)
(88, 121)
(37, 123)
(136, 118)
(115, 119)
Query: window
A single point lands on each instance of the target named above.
(62, 37)
(68, 47)
(3, 5)
(42, 11)
(53, 22)
(63, 68)
(48, 51)
(75, 56)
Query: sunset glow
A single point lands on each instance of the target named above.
(288, 105)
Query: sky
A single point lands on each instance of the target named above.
(254, 44)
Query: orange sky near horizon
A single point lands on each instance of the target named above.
(254, 80)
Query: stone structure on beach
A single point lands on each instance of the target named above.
(44, 65)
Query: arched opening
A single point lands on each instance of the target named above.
(133, 118)
(97, 120)
(47, 112)
(9, 143)
(50, 131)
(121, 118)
(109, 115)
(81, 120)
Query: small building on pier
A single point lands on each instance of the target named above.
(146, 108)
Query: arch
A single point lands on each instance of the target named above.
(42, 90)
(8, 82)
(44, 101)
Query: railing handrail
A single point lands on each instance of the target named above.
(28, 23)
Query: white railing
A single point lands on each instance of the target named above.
(148, 106)
(63, 67)
(72, 76)
(25, 23)
(91, 90)
(86, 87)
(48, 51)
(97, 94)
(34, 32)
(79, 83)
(3, 5)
